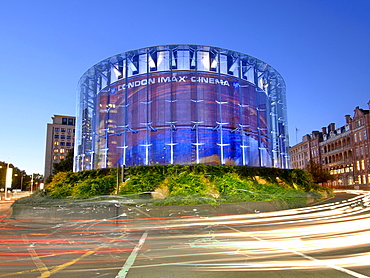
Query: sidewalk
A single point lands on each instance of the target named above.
(12, 196)
(5, 209)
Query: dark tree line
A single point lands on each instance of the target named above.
(319, 174)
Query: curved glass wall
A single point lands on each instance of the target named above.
(181, 104)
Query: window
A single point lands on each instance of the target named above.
(70, 121)
(69, 137)
(62, 137)
(68, 144)
(55, 157)
(56, 150)
(64, 121)
(350, 180)
(56, 143)
(62, 150)
(56, 129)
(62, 143)
(355, 137)
(69, 130)
(56, 136)
(61, 157)
(363, 164)
(63, 130)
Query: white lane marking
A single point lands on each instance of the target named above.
(131, 259)
(350, 272)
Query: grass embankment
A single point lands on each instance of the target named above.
(192, 184)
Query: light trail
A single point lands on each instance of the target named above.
(331, 236)
(332, 228)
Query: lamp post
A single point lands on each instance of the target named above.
(31, 183)
(8, 181)
(22, 181)
(1, 166)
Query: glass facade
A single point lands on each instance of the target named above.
(181, 104)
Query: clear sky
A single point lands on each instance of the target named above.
(320, 47)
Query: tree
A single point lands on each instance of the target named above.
(319, 174)
(65, 165)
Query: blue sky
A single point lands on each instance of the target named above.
(320, 47)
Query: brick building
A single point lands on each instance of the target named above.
(343, 151)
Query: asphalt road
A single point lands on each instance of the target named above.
(323, 240)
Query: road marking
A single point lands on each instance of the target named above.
(63, 266)
(131, 259)
(45, 272)
(36, 259)
(88, 253)
(350, 272)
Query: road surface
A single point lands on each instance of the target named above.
(324, 240)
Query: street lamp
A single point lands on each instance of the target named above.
(8, 181)
(31, 183)
(22, 181)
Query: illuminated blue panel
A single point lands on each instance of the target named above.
(181, 104)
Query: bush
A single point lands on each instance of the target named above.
(82, 184)
(144, 181)
(60, 186)
(95, 187)
(197, 199)
(191, 184)
(186, 184)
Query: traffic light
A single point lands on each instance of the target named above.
(125, 173)
(124, 176)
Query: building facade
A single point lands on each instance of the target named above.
(306, 151)
(336, 154)
(343, 151)
(60, 137)
(181, 104)
(360, 126)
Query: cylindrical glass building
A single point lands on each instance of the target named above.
(181, 104)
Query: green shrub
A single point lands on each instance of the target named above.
(60, 187)
(229, 183)
(197, 199)
(95, 187)
(192, 184)
(186, 184)
(143, 181)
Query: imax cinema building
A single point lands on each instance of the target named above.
(181, 104)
